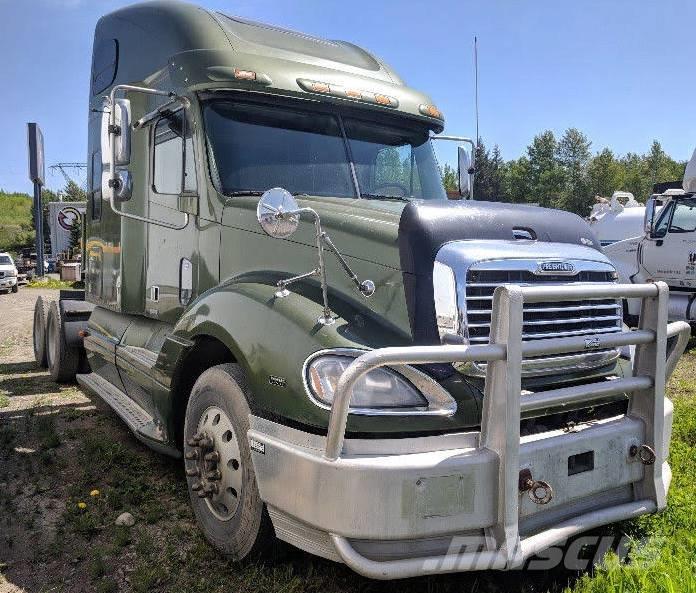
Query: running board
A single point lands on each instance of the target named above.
(145, 428)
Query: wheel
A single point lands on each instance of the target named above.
(219, 470)
(63, 360)
(39, 332)
(15, 288)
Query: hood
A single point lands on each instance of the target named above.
(426, 226)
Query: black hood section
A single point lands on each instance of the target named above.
(424, 227)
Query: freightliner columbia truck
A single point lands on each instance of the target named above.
(279, 292)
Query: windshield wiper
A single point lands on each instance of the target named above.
(244, 192)
(383, 197)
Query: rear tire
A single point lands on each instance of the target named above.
(237, 524)
(63, 360)
(39, 332)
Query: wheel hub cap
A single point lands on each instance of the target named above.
(213, 463)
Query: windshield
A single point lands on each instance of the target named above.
(5, 261)
(254, 147)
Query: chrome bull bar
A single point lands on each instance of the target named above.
(503, 404)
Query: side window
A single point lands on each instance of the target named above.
(95, 186)
(684, 217)
(104, 64)
(174, 168)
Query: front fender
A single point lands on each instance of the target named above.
(272, 337)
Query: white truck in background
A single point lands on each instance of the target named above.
(617, 218)
(664, 251)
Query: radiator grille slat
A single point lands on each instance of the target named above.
(545, 320)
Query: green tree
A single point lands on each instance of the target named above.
(516, 181)
(605, 174)
(574, 157)
(76, 235)
(488, 176)
(73, 193)
(449, 178)
(546, 173)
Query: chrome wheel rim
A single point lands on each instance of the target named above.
(221, 475)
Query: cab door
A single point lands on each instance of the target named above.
(171, 268)
(670, 253)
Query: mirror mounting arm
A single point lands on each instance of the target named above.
(114, 130)
(366, 287)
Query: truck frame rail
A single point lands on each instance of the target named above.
(658, 346)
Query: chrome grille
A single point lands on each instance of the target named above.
(548, 320)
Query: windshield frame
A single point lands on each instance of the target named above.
(399, 120)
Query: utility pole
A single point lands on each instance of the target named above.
(37, 175)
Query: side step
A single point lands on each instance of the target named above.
(143, 426)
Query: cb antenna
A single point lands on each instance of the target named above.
(476, 88)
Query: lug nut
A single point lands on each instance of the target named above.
(214, 475)
(214, 456)
(191, 455)
(193, 471)
(196, 486)
(206, 442)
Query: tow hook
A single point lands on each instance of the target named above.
(645, 453)
(539, 492)
(206, 459)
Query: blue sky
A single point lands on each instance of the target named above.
(605, 67)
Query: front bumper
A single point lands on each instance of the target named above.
(414, 498)
(8, 282)
(401, 508)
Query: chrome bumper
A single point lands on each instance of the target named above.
(8, 281)
(393, 508)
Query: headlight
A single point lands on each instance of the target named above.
(445, 291)
(379, 388)
(404, 391)
(12, 272)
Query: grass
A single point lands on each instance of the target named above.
(47, 282)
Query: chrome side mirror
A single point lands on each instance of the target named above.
(463, 171)
(122, 133)
(276, 213)
(649, 217)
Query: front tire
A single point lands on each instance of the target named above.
(15, 288)
(220, 473)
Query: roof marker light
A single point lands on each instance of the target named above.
(244, 74)
(431, 111)
(315, 86)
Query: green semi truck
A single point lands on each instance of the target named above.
(279, 291)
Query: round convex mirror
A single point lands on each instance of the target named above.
(272, 213)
